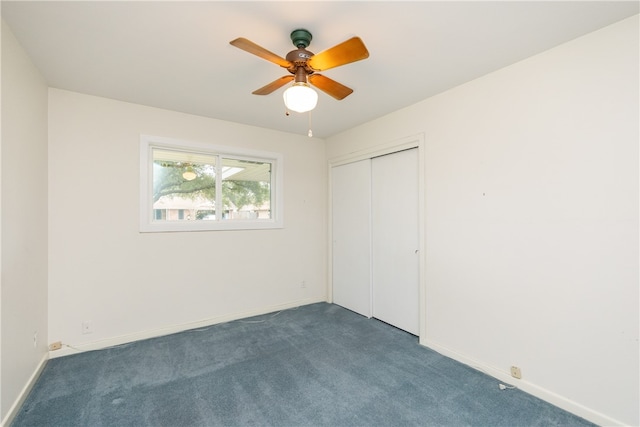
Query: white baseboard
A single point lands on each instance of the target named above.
(526, 386)
(17, 404)
(70, 348)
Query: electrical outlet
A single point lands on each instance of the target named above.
(87, 327)
(55, 346)
(303, 284)
(515, 372)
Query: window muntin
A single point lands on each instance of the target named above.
(181, 183)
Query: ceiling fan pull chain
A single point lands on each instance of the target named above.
(310, 134)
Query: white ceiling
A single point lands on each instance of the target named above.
(177, 56)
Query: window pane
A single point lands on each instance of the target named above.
(184, 185)
(246, 189)
(193, 186)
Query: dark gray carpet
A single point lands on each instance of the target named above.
(318, 365)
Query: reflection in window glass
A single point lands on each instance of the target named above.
(184, 185)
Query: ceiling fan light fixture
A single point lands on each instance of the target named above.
(189, 174)
(300, 98)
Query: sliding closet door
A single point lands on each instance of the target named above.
(395, 240)
(351, 234)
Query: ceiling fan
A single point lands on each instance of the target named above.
(304, 65)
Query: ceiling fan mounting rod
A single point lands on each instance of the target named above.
(301, 75)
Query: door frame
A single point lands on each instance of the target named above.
(406, 143)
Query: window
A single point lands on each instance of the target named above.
(189, 186)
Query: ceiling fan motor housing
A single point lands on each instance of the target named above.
(299, 57)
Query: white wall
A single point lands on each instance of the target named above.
(532, 220)
(133, 285)
(23, 282)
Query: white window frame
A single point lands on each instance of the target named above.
(149, 225)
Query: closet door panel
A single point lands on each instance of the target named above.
(351, 235)
(395, 240)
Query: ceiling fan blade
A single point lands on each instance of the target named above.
(331, 87)
(266, 90)
(251, 47)
(346, 52)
